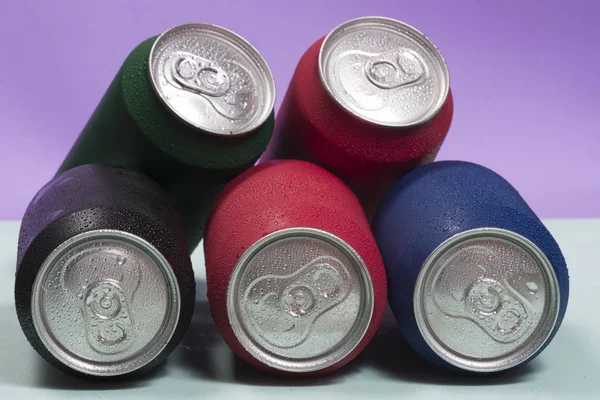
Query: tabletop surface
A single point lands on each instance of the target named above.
(203, 365)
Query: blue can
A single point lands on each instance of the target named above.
(476, 281)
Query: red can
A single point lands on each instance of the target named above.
(296, 283)
(369, 102)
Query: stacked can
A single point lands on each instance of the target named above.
(369, 102)
(192, 109)
(296, 283)
(477, 283)
(104, 283)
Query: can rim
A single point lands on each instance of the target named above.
(416, 34)
(337, 353)
(251, 52)
(536, 340)
(133, 362)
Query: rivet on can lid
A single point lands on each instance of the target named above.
(300, 300)
(384, 71)
(212, 79)
(486, 300)
(105, 303)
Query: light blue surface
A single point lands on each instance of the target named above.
(204, 368)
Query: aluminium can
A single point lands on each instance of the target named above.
(191, 108)
(296, 284)
(369, 102)
(477, 283)
(104, 284)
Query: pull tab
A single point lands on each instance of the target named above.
(199, 75)
(109, 324)
(502, 316)
(98, 290)
(371, 81)
(284, 318)
(230, 92)
(395, 70)
(479, 298)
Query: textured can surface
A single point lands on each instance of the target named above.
(191, 108)
(369, 102)
(104, 284)
(295, 281)
(477, 282)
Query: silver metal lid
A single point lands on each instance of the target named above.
(212, 78)
(105, 303)
(486, 300)
(384, 71)
(300, 300)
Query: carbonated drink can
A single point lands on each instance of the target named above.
(476, 281)
(296, 283)
(191, 108)
(104, 283)
(369, 102)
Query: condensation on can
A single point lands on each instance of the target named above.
(494, 287)
(212, 78)
(391, 116)
(384, 71)
(299, 286)
(191, 108)
(91, 300)
(300, 300)
(477, 283)
(104, 284)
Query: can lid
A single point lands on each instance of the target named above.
(300, 300)
(384, 71)
(212, 79)
(105, 303)
(486, 300)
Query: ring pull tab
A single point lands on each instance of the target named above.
(284, 318)
(388, 71)
(108, 320)
(228, 92)
(98, 290)
(199, 76)
(502, 316)
(481, 299)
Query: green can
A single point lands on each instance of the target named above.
(191, 108)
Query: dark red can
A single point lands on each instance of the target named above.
(296, 283)
(369, 102)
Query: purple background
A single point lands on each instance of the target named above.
(524, 74)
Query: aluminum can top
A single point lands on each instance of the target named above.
(105, 302)
(384, 71)
(212, 78)
(300, 300)
(486, 300)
